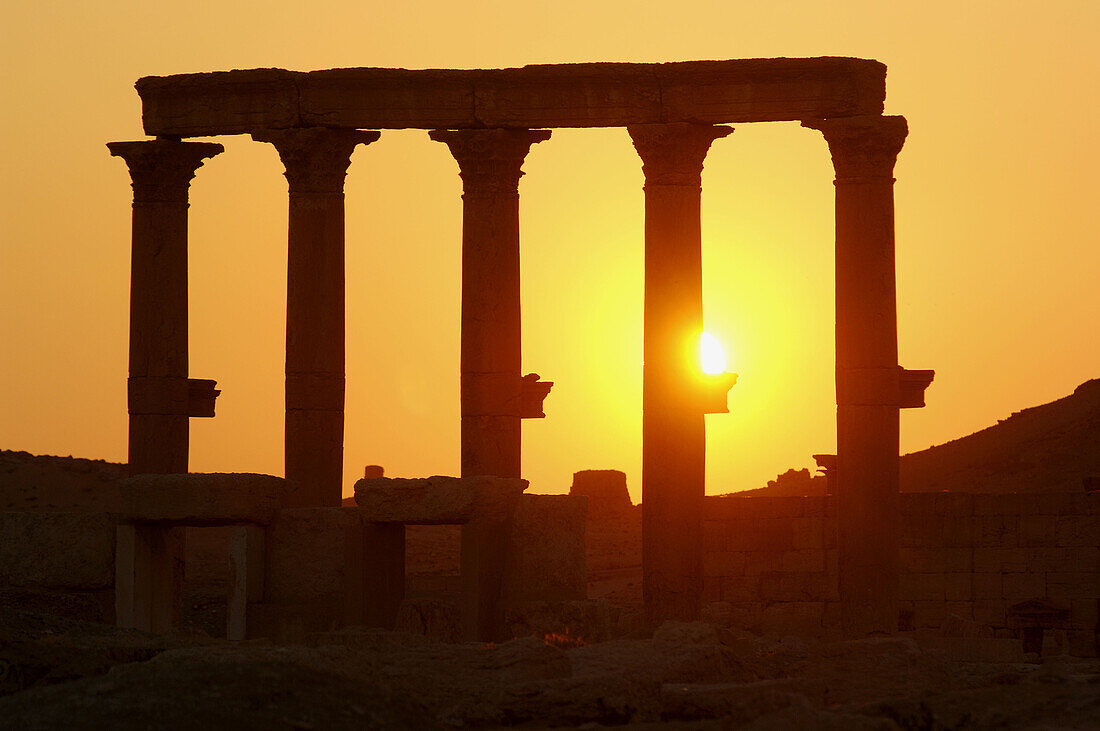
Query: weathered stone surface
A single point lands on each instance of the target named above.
(201, 499)
(311, 555)
(547, 557)
(55, 550)
(606, 492)
(437, 500)
(566, 623)
(566, 95)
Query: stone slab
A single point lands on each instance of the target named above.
(57, 550)
(565, 95)
(201, 499)
(547, 557)
(437, 500)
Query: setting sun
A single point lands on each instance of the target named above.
(711, 355)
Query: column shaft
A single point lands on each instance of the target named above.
(864, 150)
(492, 390)
(316, 162)
(490, 166)
(161, 172)
(673, 429)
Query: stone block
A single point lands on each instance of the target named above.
(959, 532)
(246, 577)
(712, 589)
(1073, 531)
(958, 586)
(606, 491)
(922, 587)
(1018, 586)
(809, 532)
(315, 557)
(798, 587)
(437, 500)
(929, 613)
(997, 560)
(1085, 613)
(758, 562)
(737, 589)
(806, 561)
(547, 552)
(724, 563)
(987, 586)
(57, 550)
(1073, 585)
(793, 618)
(230, 102)
(990, 612)
(953, 504)
(714, 536)
(371, 98)
(995, 531)
(1037, 530)
(201, 499)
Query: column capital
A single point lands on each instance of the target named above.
(161, 170)
(673, 153)
(490, 160)
(316, 159)
(864, 147)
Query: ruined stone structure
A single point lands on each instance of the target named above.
(489, 119)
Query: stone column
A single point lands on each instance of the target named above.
(160, 398)
(316, 161)
(868, 378)
(673, 431)
(494, 395)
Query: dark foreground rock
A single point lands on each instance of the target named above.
(62, 674)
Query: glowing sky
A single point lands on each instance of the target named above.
(998, 251)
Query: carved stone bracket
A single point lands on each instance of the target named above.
(316, 159)
(161, 170)
(673, 154)
(503, 394)
(714, 390)
(490, 160)
(864, 147)
(171, 396)
(882, 387)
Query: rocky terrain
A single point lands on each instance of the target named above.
(62, 674)
(59, 671)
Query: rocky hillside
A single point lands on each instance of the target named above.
(1050, 448)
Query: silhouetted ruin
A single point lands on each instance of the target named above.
(990, 574)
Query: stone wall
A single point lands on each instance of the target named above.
(966, 560)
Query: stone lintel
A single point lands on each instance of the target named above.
(565, 95)
(201, 499)
(437, 500)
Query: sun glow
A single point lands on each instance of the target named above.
(711, 356)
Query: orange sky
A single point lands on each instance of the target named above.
(998, 255)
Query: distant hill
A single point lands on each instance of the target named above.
(1050, 448)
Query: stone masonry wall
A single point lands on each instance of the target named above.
(966, 559)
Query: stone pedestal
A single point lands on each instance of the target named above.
(159, 393)
(316, 161)
(494, 396)
(868, 378)
(673, 432)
